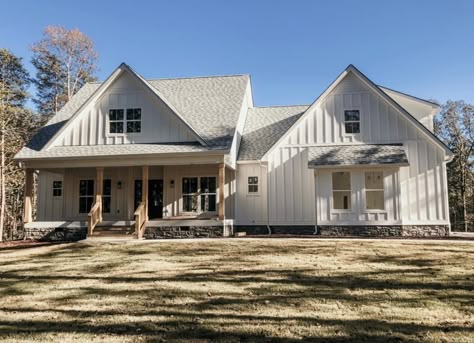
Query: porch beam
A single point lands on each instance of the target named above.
(28, 203)
(145, 189)
(221, 184)
(99, 189)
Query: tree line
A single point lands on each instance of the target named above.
(64, 60)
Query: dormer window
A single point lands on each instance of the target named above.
(352, 121)
(132, 122)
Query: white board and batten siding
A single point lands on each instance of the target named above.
(418, 192)
(158, 123)
(251, 208)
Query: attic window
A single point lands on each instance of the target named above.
(116, 121)
(352, 121)
(134, 120)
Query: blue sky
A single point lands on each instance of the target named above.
(292, 49)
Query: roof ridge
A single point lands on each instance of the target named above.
(276, 106)
(185, 77)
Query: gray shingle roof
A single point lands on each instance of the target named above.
(364, 154)
(116, 150)
(264, 126)
(211, 105)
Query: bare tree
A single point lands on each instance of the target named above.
(455, 126)
(64, 60)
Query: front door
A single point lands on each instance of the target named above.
(155, 199)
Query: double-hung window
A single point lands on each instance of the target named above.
(252, 185)
(208, 194)
(86, 195)
(341, 190)
(352, 121)
(190, 194)
(116, 121)
(106, 196)
(57, 188)
(374, 191)
(129, 123)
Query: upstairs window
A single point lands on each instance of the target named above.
(134, 120)
(131, 122)
(352, 121)
(253, 184)
(374, 191)
(341, 190)
(116, 121)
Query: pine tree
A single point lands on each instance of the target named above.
(16, 127)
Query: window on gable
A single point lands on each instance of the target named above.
(253, 184)
(134, 120)
(116, 121)
(341, 190)
(352, 121)
(374, 191)
(57, 188)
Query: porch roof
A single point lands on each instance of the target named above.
(356, 155)
(111, 150)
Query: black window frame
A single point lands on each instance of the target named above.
(57, 188)
(252, 185)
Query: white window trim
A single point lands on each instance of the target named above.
(351, 121)
(365, 190)
(124, 121)
(341, 210)
(257, 184)
(198, 193)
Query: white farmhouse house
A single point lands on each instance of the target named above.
(193, 157)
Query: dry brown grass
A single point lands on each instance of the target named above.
(234, 290)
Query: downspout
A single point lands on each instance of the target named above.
(315, 203)
(268, 202)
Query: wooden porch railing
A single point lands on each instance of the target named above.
(95, 215)
(140, 220)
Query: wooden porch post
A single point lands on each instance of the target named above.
(145, 189)
(99, 189)
(28, 205)
(221, 191)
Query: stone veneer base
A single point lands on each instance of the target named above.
(187, 232)
(60, 234)
(360, 231)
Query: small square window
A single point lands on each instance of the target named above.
(57, 188)
(253, 184)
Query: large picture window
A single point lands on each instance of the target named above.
(352, 121)
(86, 195)
(374, 191)
(341, 190)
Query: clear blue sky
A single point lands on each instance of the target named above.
(292, 49)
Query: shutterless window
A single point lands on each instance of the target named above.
(341, 190)
(86, 195)
(352, 121)
(134, 120)
(106, 196)
(57, 188)
(374, 191)
(116, 121)
(253, 184)
(208, 194)
(190, 194)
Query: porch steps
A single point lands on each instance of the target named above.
(113, 232)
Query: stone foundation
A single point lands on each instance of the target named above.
(385, 231)
(60, 234)
(275, 230)
(187, 232)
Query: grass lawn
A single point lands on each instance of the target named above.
(235, 290)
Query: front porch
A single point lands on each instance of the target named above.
(171, 201)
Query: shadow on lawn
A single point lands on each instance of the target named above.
(219, 317)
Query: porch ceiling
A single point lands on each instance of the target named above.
(356, 155)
